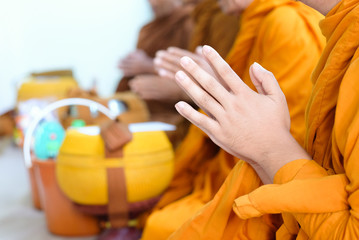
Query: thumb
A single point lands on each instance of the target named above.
(264, 80)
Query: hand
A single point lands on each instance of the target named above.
(137, 62)
(167, 63)
(249, 125)
(154, 87)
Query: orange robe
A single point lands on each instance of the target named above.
(320, 199)
(263, 36)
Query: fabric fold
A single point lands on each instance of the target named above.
(316, 193)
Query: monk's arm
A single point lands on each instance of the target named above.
(343, 221)
(326, 206)
(137, 62)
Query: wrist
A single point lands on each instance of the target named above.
(284, 149)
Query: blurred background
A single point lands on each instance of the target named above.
(87, 36)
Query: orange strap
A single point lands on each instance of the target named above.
(117, 197)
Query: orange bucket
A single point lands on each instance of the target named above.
(34, 189)
(61, 215)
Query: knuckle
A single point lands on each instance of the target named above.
(204, 99)
(225, 72)
(209, 83)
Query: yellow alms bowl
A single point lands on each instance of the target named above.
(81, 166)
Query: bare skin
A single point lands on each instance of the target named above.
(154, 87)
(138, 62)
(167, 62)
(249, 125)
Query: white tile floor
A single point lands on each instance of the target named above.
(18, 219)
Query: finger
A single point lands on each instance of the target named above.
(168, 56)
(256, 82)
(207, 82)
(207, 124)
(203, 100)
(181, 52)
(264, 81)
(164, 73)
(142, 89)
(169, 66)
(230, 78)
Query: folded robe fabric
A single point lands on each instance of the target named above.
(332, 141)
(263, 36)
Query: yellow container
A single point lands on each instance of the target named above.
(81, 166)
(45, 87)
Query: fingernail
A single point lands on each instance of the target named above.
(162, 72)
(179, 105)
(180, 75)
(185, 61)
(157, 61)
(258, 67)
(206, 49)
(159, 53)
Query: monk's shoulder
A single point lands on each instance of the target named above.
(283, 15)
(284, 23)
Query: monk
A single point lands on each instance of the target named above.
(200, 170)
(172, 26)
(315, 188)
(211, 27)
(159, 92)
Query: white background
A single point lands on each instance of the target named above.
(88, 36)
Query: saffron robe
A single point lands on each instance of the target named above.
(262, 37)
(319, 198)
